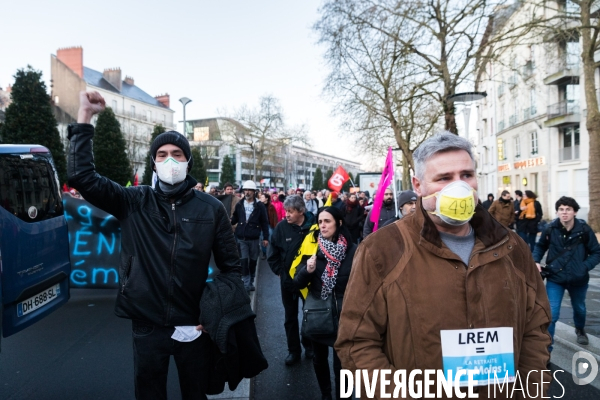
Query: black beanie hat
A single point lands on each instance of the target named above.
(176, 139)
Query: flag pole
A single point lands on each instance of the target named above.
(394, 189)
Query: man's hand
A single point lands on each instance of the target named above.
(265, 243)
(539, 267)
(201, 328)
(90, 104)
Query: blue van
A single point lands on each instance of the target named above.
(34, 242)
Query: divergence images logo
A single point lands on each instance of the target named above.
(584, 364)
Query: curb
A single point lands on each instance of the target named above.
(559, 338)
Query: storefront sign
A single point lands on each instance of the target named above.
(504, 167)
(531, 162)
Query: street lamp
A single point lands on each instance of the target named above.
(184, 101)
(467, 99)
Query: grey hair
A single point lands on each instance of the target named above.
(296, 202)
(439, 143)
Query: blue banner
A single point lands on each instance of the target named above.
(95, 246)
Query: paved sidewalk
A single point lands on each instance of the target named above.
(565, 340)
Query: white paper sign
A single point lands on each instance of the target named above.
(487, 351)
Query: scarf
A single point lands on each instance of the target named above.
(505, 201)
(335, 254)
(172, 191)
(530, 211)
(350, 205)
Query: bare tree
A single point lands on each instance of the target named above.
(578, 22)
(263, 130)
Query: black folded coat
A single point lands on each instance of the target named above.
(229, 321)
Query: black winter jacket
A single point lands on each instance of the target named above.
(166, 244)
(571, 255)
(530, 225)
(314, 283)
(285, 242)
(387, 213)
(250, 230)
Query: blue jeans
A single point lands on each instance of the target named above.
(529, 238)
(263, 248)
(555, 295)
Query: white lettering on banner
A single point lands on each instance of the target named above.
(337, 180)
(418, 384)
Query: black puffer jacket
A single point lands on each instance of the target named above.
(166, 244)
(571, 255)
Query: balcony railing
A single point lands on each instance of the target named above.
(568, 153)
(512, 120)
(561, 71)
(566, 107)
(562, 65)
(500, 126)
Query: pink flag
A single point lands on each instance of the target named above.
(386, 178)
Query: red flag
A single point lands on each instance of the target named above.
(135, 180)
(337, 180)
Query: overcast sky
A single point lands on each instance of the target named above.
(221, 54)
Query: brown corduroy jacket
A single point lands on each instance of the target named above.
(503, 212)
(406, 286)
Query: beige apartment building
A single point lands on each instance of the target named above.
(531, 132)
(137, 111)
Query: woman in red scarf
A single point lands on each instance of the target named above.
(354, 217)
(326, 274)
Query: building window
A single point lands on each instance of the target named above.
(569, 144)
(133, 111)
(517, 140)
(534, 142)
(148, 115)
(114, 106)
(164, 120)
(501, 150)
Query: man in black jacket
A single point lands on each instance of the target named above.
(573, 251)
(388, 211)
(285, 242)
(167, 235)
(250, 215)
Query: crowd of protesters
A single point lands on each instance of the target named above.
(390, 307)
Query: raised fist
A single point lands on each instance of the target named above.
(90, 103)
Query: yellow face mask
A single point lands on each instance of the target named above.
(455, 203)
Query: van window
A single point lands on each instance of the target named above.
(28, 187)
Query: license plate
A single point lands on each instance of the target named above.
(39, 300)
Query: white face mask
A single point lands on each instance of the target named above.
(455, 203)
(171, 171)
